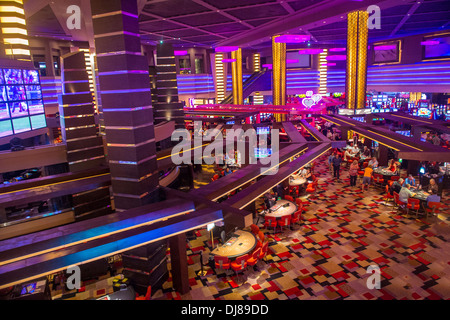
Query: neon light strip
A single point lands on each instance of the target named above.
(125, 91)
(116, 53)
(122, 72)
(127, 109)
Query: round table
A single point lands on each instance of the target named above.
(244, 242)
(279, 211)
(297, 181)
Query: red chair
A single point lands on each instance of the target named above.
(395, 178)
(378, 179)
(270, 222)
(433, 208)
(293, 190)
(147, 296)
(261, 236)
(289, 198)
(264, 250)
(239, 264)
(255, 229)
(299, 204)
(388, 196)
(216, 176)
(413, 204)
(312, 187)
(297, 216)
(285, 221)
(253, 260)
(222, 262)
(398, 203)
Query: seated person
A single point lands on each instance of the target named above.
(396, 186)
(227, 171)
(373, 162)
(303, 172)
(405, 193)
(279, 190)
(269, 200)
(433, 197)
(410, 180)
(348, 154)
(366, 153)
(308, 175)
(392, 165)
(431, 187)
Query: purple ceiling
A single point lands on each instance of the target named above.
(208, 22)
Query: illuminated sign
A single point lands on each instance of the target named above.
(311, 99)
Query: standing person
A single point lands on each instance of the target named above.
(337, 160)
(330, 161)
(368, 171)
(353, 172)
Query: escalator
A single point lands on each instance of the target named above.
(258, 81)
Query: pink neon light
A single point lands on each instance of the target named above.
(385, 47)
(269, 66)
(180, 52)
(311, 51)
(328, 64)
(291, 60)
(292, 38)
(228, 60)
(338, 49)
(226, 49)
(429, 43)
(337, 58)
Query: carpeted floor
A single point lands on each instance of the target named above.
(326, 256)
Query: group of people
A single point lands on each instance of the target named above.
(407, 188)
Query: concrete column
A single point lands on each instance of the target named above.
(126, 102)
(178, 258)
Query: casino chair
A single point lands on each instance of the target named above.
(285, 221)
(264, 250)
(261, 236)
(398, 203)
(312, 187)
(300, 204)
(433, 208)
(297, 216)
(222, 263)
(413, 204)
(239, 264)
(255, 229)
(254, 258)
(293, 189)
(270, 222)
(147, 296)
(395, 178)
(378, 180)
(289, 198)
(388, 196)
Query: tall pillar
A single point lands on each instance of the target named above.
(356, 75)
(84, 146)
(178, 257)
(13, 31)
(220, 76)
(279, 76)
(126, 102)
(168, 107)
(236, 76)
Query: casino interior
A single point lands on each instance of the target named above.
(224, 150)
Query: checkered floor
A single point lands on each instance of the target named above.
(326, 257)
